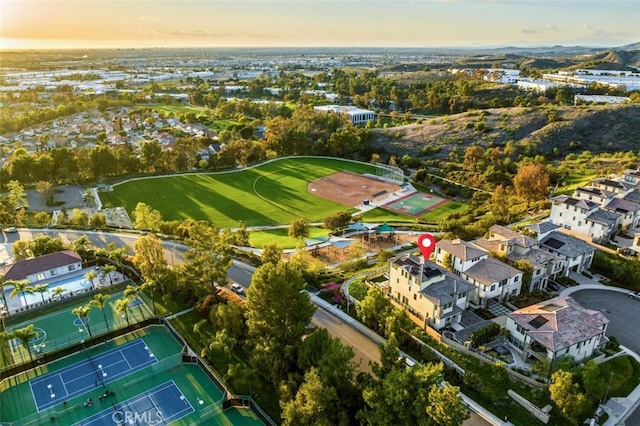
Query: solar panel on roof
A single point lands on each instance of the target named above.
(538, 322)
(552, 242)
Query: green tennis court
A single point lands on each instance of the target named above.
(63, 328)
(416, 204)
(166, 391)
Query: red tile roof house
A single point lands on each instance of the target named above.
(48, 269)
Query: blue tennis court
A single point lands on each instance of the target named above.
(54, 388)
(159, 406)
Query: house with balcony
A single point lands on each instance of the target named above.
(555, 328)
(576, 254)
(516, 247)
(434, 295)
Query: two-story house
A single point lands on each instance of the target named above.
(458, 255)
(552, 329)
(516, 248)
(432, 294)
(491, 278)
(584, 217)
(576, 254)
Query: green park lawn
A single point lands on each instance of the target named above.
(281, 237)
(270, 194)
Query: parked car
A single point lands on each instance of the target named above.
(634, 295)
(11, 230)
(237, 288)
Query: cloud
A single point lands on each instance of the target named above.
(148, 18)
(540, 30)
(553, 28)
(528, 30)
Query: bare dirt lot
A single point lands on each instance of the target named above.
(349, 188)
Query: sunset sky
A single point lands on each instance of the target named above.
(371, 23)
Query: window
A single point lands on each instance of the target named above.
(493, 287)
(514, 292)
(72, 268)
(516, 278)
(503, 283)
(520, 329)
(578, 345)
(53, 272)
(415, 296)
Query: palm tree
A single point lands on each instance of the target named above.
(131, 293)
(122, 307)
(23, 287)
(4, 338)
(81, 245)
(100, 301)
(58, 292)
(83, 312)
(42, 289)
(90, 276)
(25, 335)
(106, 271)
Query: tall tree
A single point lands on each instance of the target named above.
(278, 311)
(122, 308)
(131, 293)
(100, 301)
(271, 253)
(25, 335)
(20, 287)
(410, 396)
(90, 276)
(146, 218)
(567, 395)
(57, 292)
(532, 182)
(42, 289)
(149, 257)
(208, 259)
(82, 312)
(312, 403)
(17, 195)
(373, 309)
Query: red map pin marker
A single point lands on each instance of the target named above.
(427, 244)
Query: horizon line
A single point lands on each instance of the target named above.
(483, 46)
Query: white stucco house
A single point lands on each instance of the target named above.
(432, 294)
(491, 278)
(556, 328)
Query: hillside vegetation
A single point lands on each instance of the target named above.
(550, 131)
